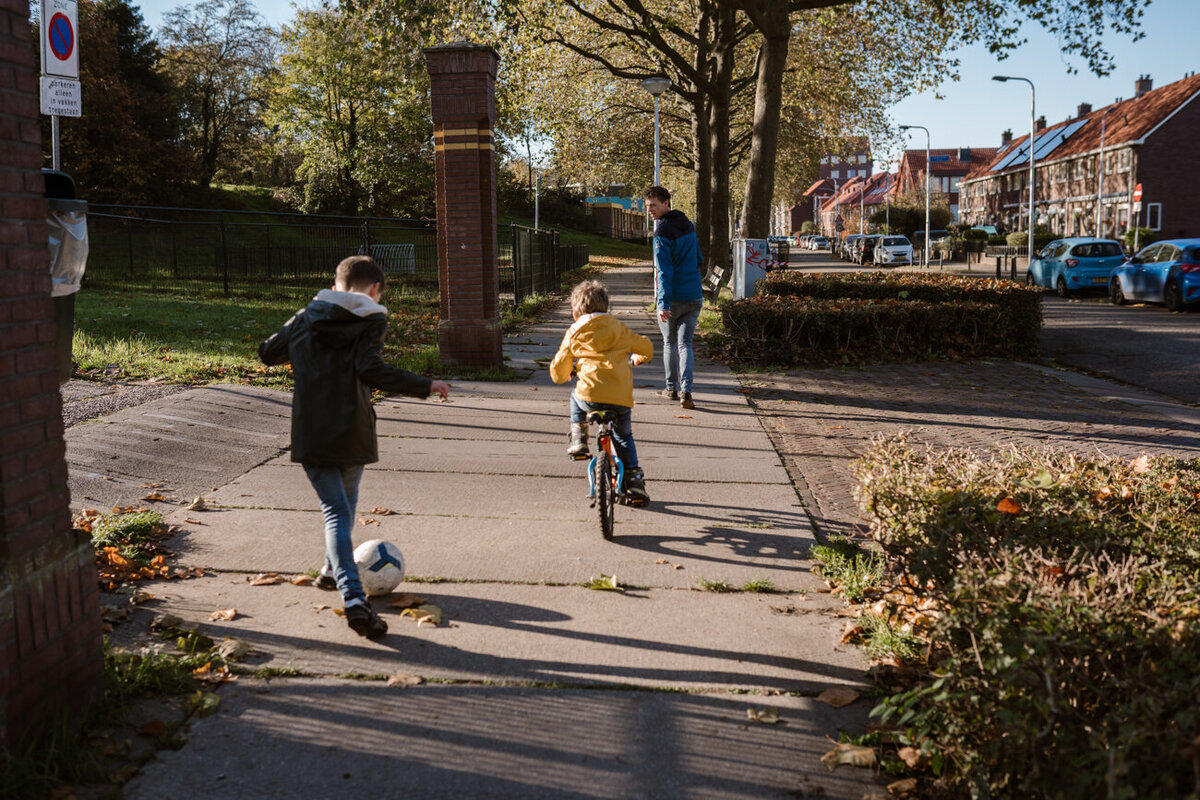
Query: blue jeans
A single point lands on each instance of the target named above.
(622, 426)
(337, 489)
(677, 332)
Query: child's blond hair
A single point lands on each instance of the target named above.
(589, 297)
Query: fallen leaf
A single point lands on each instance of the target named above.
(851, 632)
(404, 679)
(154, 496)
(204, 703)
(902, 786)
(165, 622)
(115, 614)
(266, 579)
(380, 511)
(605, 583)
(913, 757)
(210, 674)
(341, 612)
(223, 615)
(838, 696)
(197, 504)
(319, 606)
(1008, 506)
(661, 561)
(406, 600)
(683, 416)
(138, 597)
(153, 485)
(368, 521)
(301, 580)
(155, 727)
(1140, 464)
(849, 754)
(233, 649)
(191, 521)
(766, 716)
(427, 614)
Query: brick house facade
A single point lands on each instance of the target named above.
(1150, 139)
(947, 170)
(50, 640)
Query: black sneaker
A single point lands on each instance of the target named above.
(325, 582)
(364, 621)
(686, 402)
(635, 487)
(669, 394)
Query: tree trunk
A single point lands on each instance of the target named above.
(704, 169)
(772, 60)
(718, 131)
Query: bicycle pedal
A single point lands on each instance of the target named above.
(582, 457)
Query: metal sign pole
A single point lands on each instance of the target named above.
(56, 153)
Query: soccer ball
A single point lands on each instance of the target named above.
(380, 566)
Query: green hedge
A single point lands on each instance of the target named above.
(813, 320)
(1063, 658)
(1021, 239)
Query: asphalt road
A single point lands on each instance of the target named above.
(1141, 345)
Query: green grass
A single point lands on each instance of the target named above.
(759, 585)
(848, 567)
(719, 587)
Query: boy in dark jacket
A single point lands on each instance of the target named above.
(334, 347)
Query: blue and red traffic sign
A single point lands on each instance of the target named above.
(61, 37)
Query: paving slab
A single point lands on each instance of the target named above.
(528, 551)
(675, 504)
(456, 742)
(529, 633)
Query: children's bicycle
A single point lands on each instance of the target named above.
(606, 472)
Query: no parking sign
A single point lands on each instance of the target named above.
(60, 39)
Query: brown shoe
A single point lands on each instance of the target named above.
(686, 400)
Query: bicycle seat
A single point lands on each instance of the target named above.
(600, 416)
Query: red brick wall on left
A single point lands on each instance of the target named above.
(51, 659)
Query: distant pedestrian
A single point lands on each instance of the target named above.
(334, 346)
(679, 294)
(599, 349)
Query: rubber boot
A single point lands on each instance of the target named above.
(578, 448)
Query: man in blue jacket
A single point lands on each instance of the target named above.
(678, 291)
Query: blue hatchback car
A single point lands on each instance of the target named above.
(1164, 272)
(1068, 265)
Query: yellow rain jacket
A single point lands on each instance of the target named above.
(597, 348)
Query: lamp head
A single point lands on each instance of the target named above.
(1001, 78)
(656, 84)
(905, 127)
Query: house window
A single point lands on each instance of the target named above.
(862, 158)
(835, 174)
(1124, 160)
(1154, 216)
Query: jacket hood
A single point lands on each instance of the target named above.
(335, 319)
(596, 334)
(673, 225)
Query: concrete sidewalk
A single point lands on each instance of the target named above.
(535, 686)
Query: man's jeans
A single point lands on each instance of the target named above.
(677, 335)
(337, 489)
(622, 426)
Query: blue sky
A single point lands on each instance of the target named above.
(974, 110)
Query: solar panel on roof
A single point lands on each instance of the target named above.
(1060, 135)
(1012, 157)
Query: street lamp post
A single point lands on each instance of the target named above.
(1100, 188)
(1032, 131)
(927, 170)
(656, 85)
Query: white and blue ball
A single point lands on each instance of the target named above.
(380, 566)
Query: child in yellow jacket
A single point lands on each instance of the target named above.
(600, 350)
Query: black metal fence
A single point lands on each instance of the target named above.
(533, 262)
(238, 251)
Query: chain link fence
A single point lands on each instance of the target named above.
(207, 251)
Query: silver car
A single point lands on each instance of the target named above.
(891, 251)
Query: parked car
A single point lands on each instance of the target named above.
(1068, 265)
(820, 243)
(845, 252)
(1164, 272)
(866, 249)
(893, 250)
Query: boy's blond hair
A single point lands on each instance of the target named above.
(589, 297)
(358, 273)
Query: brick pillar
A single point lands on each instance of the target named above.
(50, 639)
(462, 88)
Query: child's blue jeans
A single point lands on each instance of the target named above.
(337, 489)
(622, 426)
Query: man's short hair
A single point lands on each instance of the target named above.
(357, 273)
(658, 193)
(589, 297)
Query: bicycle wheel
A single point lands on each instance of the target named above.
(605, 501)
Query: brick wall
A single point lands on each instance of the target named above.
(1168, 165)
(462, 79)
(50, 640)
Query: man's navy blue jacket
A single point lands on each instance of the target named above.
(677, 261)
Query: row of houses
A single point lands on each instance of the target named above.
(1087, 169)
